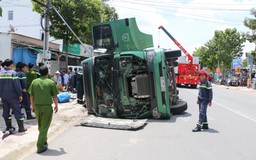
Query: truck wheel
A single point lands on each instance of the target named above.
(193, 86)
(179, 108)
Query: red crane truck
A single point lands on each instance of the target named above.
(187, 71)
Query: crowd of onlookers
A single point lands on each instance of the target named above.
(67, 80)
(35, 90)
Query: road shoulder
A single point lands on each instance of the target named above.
(20, 145)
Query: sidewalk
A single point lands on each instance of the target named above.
(238, 88)
(17, 146)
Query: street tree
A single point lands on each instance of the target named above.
(79, 14)
(110, 12)
(244, 63)
(251, 24)
(221, 49)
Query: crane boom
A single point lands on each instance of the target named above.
(190, 58)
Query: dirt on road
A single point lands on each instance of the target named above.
(19, 145)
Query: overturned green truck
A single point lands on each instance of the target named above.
(128, 78)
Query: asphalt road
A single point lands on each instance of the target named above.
(232, 134)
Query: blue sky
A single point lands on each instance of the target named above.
(191, 22)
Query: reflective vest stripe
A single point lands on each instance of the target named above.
(22, 77)
(8, 77)
(205, 87)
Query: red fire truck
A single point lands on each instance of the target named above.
(187, 70)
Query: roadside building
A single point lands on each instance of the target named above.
(21, 38)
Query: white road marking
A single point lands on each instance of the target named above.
(232, 110)
(237, 112)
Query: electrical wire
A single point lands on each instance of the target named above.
(41, 23)
(193, 14)
(173, 9)
(203, 18)
(187, 6)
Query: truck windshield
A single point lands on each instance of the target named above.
(103, 37)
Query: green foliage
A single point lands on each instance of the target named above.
(110, 13)
(1, 12)
(251, 24)
(221, 49)
(79, 14)
(253, 54)
(244, 63)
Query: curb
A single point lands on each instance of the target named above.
(240, 88)
(20, 145)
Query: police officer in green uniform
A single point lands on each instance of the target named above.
(31, 74)
(42, 91)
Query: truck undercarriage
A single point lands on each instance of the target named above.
(130, 80)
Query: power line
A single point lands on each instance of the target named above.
(184, 6)
(165, 1)
(221, 4)
(112, 3)
(192, 14)
(203, 18)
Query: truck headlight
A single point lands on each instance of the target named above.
(150, 55)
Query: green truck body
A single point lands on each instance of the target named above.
(130, 79)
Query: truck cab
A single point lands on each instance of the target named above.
(128, 78)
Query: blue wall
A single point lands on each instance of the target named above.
(23, 55)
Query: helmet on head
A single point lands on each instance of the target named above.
(203, 72)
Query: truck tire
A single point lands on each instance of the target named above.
(179, 108)
(193, 86)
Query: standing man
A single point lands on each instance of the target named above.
(11, 94)
(204, 99)
(80, 88)
(70, 74)
(40, 65)
(21, 68)
(65, 79)
(42, 91)
(57, 78)
(75, 78)
(31, 74)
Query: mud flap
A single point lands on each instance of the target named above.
(113, 123)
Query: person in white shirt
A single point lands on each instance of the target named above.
(57, 78)
(66, 77)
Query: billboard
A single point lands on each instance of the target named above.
(237, 63)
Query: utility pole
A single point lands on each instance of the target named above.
(249, 66)
(102, 14)
(46, 32)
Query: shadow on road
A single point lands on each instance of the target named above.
(172, 119)
(53, 152)
(211, 130)
(187, 87)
